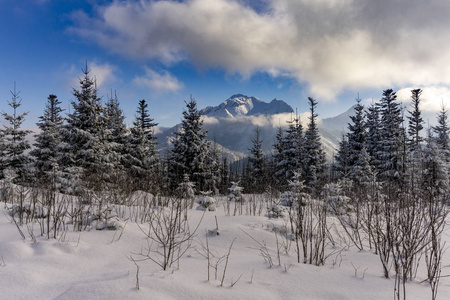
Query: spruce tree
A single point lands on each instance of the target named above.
(190, 149)
(342, 159)
(14, 142)
(292, 151)
(356, 135)
(314, 162)
(442, 130)
(442, 137)
(47, 141)
(415, 122)
(257, 163)
(116, 134)
(142, 157)
(84, 148)
(373, 125)
(279, 147)
(390, 146)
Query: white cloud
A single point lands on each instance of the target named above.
(102, 73)
(210, 120)
(332, 45)
(431, 99)
(158, 81)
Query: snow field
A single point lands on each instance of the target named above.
(94, 265)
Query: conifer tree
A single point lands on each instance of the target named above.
(373, 125)
(314, 162)
(390, 146)
(442, 130)
(257, 163)
(415, 122)
(14, 143)
(214, 168)
(292, 151)
(442, 138)
(142, 157)
(84, 148)
(47, 141)
(437, 177)
(190, 149)
(342, 164)
(278, 155)
(356, 135)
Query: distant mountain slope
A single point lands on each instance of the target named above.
(240, 105)
(232, 125)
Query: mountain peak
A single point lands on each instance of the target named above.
(242, 105)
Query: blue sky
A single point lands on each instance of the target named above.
(163, 51)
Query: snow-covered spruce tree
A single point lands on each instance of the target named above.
(415, 122)
(342, 167)
(357, 133)
(415, 139)
(278, 158)
(142, 157)
(116, 132)
(314, 161)
(442, 132)
(190, 149)
(84, 140)
(46, 142)
(214, 169)
(292, 151)
(390, 146)
(257, 163)
(373, 125)
(14, 143)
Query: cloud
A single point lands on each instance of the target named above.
(158, 82)
(332, 45)
(102, 73)
(431, 99)
(210, 120)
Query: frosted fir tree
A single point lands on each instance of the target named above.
(214, 167)
(373, 126)
(342, 166)
(336, 200)
(116, 133)
(84, 148)
(47, 141)
(314, 161)
(185, 189)
(292, 150)
(442, 133)
(235, 192)
(142, 157)
(436, 177)
(206, 201)
(357, 134)
(14, 143)
(415, 122)
(390, 147)
(296, 195)
(279, 147)
(190, 149)
(257, 163)
(415, 139)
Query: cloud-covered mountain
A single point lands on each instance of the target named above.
(240, 105)
(232, 125)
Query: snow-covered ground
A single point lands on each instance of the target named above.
(95, 265)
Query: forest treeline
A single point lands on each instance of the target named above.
(92, 148)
